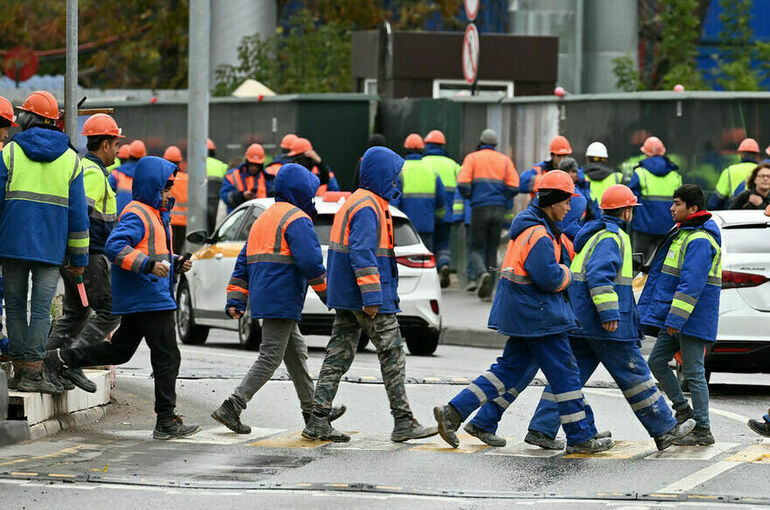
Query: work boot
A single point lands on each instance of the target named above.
(482, 435)
(537, 438)
(472, 285)
(335, 413)
(319, 429)
(174, 429)
(53, 378)
(485, 286)
(665, 440)
(229, 416)
(603, 434)
(35, 380)
(78, 378)
(761, 427)
(18, 372)
(443, 275)
(700, 436)
(593, 445)
(683, 415)
(56, 366)
(449, 420)
(405, 429)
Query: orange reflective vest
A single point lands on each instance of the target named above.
(179, 192)
(123, 183)
(250, 183)
(339, 238)
(518, 250)
(154, 245)
(569, 246)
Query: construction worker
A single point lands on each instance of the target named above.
(120, 158)
(376, 140)
(121, 179)
(435, 156)
(7, 119)
(582, 207)
(732, 181)
(215, 174)
(654, 180)
(179, 192)
(43, 225)
(489, 179)
(363, 290)
(283, 157)
(530, 307)
(143, 273)
(303, 154)
(421, 192)
(247, 181)
(599, 175)
(602, 297)
(280, 258)
(559, 149)
(77, 326)
(680, 301)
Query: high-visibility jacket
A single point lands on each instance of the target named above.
(602, 271)
(530, 180)
(448, 170)
(43, 209)
(102, 206)
(530, 300)
(654, 182)
(115, 164)
(488, 177)
(215, 169)
(236, 182)
(275, 266)
(422, 196)
(276, 164)
(731, 183)
(179, 192)
(141, 239)
(361, 261)
(601, 177)
(685, 280)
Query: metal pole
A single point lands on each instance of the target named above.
(579, 27)
(198, 113)
(71, 76)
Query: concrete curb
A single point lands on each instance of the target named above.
(468, 337)
(67, 421)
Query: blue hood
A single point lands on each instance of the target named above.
(606, 222)
(43, 145)
(129, 167)
(413, 156)
(529, 217)
(296, 185)
(150, 178)
(433, 149)
(658, 165)
(380, 167)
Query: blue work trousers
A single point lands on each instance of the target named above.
(441, 237)
(624, 362)
(553, 355)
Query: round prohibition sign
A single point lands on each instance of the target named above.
(470, 53)
(472, 9)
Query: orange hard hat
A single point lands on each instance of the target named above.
(6, 111)
(255, 153)
(558, 180)
(173, 154)
(414, 141)
(101, 124)
(210, 145)
(653, 146)
(436, 136)
(123, 151)
(618, 196)
(287, 140)
(300, 146)
(749, 145)
(42, 103)
(559, 146)
(137, 149)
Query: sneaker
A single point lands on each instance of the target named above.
(485, 286)
(409, 428)
(449, 420)
(335, 413)
(761, 427)
(699, 436)
(482, 435)
(78, 378)
(35, 380)
(472, 285)
(229, 416)
(663, 441)
(685, 414)
(175, 429)
(319, 429)
(443, 276)
(537, 438)
(591, 446)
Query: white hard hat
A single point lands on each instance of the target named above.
(597, 150)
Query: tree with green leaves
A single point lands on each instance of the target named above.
(678, 48)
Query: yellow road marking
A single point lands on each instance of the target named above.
(65, 451)
(388, 487)
(757, 453)
(63, 475)
(621, 450)
(20, 473)
(291, 440)
(468, 444)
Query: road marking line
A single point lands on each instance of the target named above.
(440, 446)
(64, 451)
(223, 435)
(729, 414)
(291, 440)
(691, 481)
(621, 450)
(523, 449)
(61, 475)
(367, 443)
(758, 453)
(692, 452)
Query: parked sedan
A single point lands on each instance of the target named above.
(202, 291)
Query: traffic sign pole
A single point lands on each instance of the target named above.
(471, 40)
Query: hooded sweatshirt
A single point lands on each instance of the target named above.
(122, 197)
(37, 229)
(654, 217)
(277, 290)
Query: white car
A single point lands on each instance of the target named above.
(201, 293)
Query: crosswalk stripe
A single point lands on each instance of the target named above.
(757, 453)
(291, 440)
(468, 444)
(524, 450)
(692, 452)
(621, 450)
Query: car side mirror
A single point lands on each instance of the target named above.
(638, 263)
(197, 237)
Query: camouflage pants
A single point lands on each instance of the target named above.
(384, 333)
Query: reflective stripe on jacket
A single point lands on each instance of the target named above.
(179, 192)
(236, 182)
(422, 196)
(655, 195)
(102, 205)
(488, 177)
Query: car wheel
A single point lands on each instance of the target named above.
(422, 341)
(189, 332)
(249, 332)
(363, 341)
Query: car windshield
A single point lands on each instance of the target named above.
(747, 238)
(405, 234)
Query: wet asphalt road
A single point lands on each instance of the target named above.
(115, 463)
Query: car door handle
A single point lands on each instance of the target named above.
(218, 256)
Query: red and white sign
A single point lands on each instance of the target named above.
(472, 9)
(471, 53)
